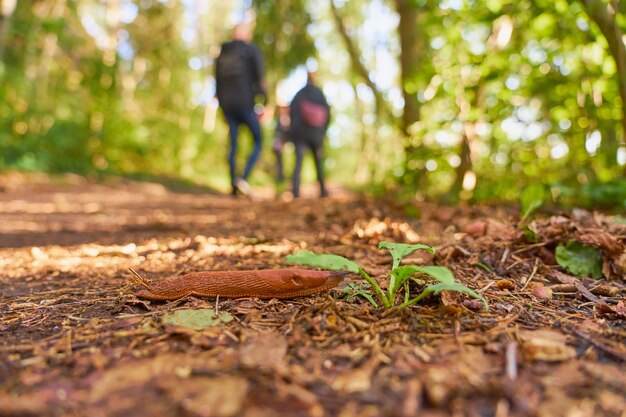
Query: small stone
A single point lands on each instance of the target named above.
(476, 229)
(541, 292)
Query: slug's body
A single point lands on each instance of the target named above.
(264, 283)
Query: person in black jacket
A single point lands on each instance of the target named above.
(310, 116)
(238, 82)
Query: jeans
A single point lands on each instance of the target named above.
(234, 118)
(317, 155)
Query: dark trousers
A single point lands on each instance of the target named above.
(280, 175)
(234, 118)
(317, 155)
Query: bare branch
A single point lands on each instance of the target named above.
(357, 64)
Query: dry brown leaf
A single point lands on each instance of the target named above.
(602, 240)
(222, 396)
(545, 345)
(263, 350)
(355, 380)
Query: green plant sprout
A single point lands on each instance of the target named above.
(400, 277)
(352, 290)
(531, 199)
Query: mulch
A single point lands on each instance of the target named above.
(76, 341)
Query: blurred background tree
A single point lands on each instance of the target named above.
(456, 99)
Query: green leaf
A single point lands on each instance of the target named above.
(484, 266)
(544, 22)
(196, 319)
(399, 250)
(326, 261)
(439, 273)
(412, 211)
(531, 199)
(458, 287)
(446, 280)
(579, 259)
(494, 6)
(530, 234)
(354, 290)
(401, 275)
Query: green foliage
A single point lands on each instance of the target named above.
(399, 250)
(530, 232)
(446, 282)
(326, 261)
(285, 45)
(336, 263)
(594, 194)
(196, 319)
(400, 277)
(579, 259)
(532, 197)
(355, 290)
(84, 91)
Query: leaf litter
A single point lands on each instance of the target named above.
(75, 340)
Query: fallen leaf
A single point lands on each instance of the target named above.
(355, 380)
(579, 259)
(263, 350)
(222, 396)
(196, 319)
(602, 240)
(545, 345)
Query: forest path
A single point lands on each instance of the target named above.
(76, 341)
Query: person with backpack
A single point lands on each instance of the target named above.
(239, 83)
(310, 116)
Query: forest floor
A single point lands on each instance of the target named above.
(76, 341)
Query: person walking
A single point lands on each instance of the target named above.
(239, 82)
(281, 137)
(310, 116)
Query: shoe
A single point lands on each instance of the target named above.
(243, 186)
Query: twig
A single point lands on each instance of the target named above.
(512, 265)
(138, 279)
(618, 355)
(511, 361)
(505, 255)
(486, 287)
(532, 274)
(529, 247)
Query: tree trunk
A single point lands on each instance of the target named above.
(466, 161)
(411, 47)
(604, 15)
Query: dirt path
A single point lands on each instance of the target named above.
(76, 341)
